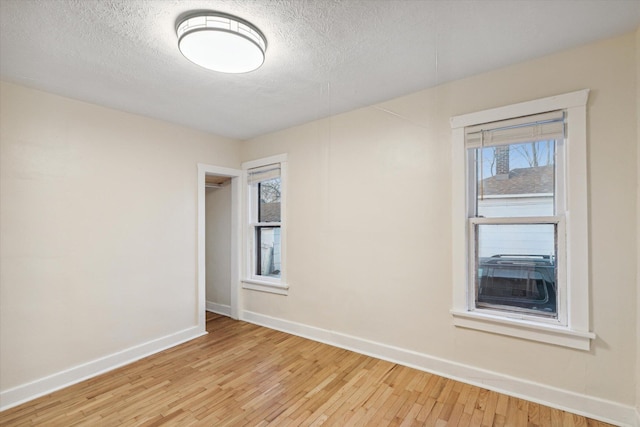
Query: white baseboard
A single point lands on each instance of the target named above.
(214, 307)
(589, 406)
(24, 393)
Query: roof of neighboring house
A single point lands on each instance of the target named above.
(532, 180)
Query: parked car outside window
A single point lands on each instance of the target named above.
(523, 283)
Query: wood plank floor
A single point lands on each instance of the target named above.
(245, 375)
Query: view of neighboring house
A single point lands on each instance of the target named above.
(522, 192)
(270, 241)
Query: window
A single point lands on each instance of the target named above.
(520, 236)
(265, 218)
(515, 212)
(266, 221)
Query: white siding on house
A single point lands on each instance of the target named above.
(515, 239)
(516, 206)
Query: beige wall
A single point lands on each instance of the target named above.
(98, 225)
(218, 245)
(370, 222)
(638, 227)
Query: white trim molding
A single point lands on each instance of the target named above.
(567, 100)
(40, 387)
(236, 198)
(535, 331)
(264, 286)
(222, 309)
(573, 329)
(581, 404)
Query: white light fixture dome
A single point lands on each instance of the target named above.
(221, 42)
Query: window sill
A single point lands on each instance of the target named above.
(551, 334)
(265, 286)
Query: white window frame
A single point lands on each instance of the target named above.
(251, 280)
(559, 222)
(571, 329)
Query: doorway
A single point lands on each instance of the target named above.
(219, 199)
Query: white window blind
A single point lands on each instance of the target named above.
(263, 173)
(538, 127)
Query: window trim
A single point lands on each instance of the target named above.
(250, 280)
(576, 333)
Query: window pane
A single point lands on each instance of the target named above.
(268, 251)
(515, 180)
(516, 268)
(269, 206)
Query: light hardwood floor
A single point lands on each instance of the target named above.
(245, 375)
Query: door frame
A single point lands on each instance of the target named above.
(236, 244)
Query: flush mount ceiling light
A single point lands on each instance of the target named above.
(221, 42)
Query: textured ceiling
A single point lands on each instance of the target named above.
(323, 57)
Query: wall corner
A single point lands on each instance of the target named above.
(637, 113)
